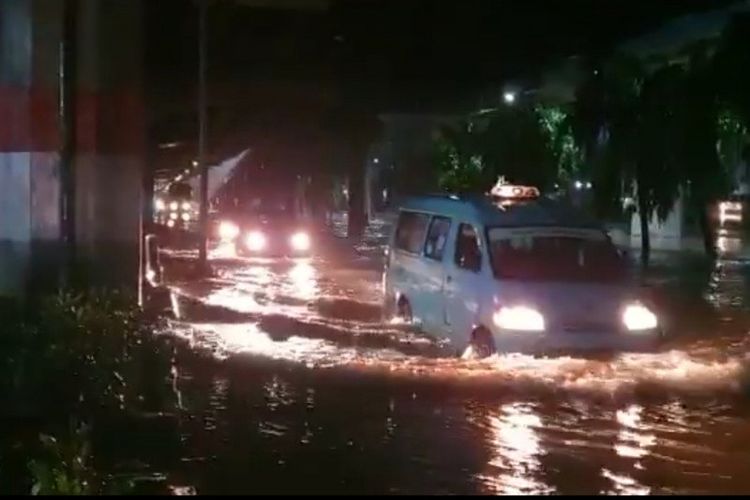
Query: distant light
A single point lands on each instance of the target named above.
(168, 145)
(376, 161)
(187, 171)
(588, 185)
(195, 163)
(228, 231)
(300, 241)
(509, 97)
(579, 185)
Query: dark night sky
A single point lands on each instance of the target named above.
(398, 55)
(400, 40)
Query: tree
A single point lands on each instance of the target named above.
(699, 118)
(459, 164)
(589, 127)
(589, 116)
(626, 132)
(732, 134)
(353, 130)
(509, 141)
(514, 145)
(657, 174)
(730, 68)
(557, 125)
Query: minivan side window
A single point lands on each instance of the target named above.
(468, 254)
(410, 231)
(437, 237)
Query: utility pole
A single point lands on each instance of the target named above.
(67, 114)
(203, 217)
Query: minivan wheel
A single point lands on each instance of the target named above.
(403, 311)
(481, 345)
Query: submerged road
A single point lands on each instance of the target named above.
(310, 391)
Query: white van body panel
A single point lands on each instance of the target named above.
(450, 302)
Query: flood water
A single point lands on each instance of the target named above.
(298, 386)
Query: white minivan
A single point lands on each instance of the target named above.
(513, 272)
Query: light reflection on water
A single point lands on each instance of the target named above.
(286, 298)
(673, 370)
(516, 451)
(634, 441)
(303, 280)
(639, 447)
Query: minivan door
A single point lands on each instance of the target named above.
(463, 282)
(435, 250)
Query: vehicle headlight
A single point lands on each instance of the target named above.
(637, 317)
(300, 241)
(159, 205)
(228, 230)
(255, 241)
(173, 216)
(519, 318)
(186, 205)
(730, 205)
(185, 217)
(174, 206)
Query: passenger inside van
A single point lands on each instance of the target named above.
(468, 253)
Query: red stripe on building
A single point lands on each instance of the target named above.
(111, 122)
(28, 119)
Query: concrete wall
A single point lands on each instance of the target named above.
(109, 151)
(111, 139)
(666, 235)
(30, 34)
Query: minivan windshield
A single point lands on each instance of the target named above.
(270, 206)
(554, 257)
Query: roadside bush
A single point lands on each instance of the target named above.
(68, 364)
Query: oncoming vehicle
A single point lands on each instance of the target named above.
(265, 227)
(513, 272)
(732, 210)
(175, 208)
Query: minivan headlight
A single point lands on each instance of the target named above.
(637, 317)
(520, 318)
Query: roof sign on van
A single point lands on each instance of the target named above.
(512, 192)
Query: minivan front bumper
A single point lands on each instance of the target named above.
(507, 341)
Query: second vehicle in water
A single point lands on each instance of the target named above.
(265, 228)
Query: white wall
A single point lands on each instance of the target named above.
(667, 235)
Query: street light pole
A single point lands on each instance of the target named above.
(67, 115)
(203, 217)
